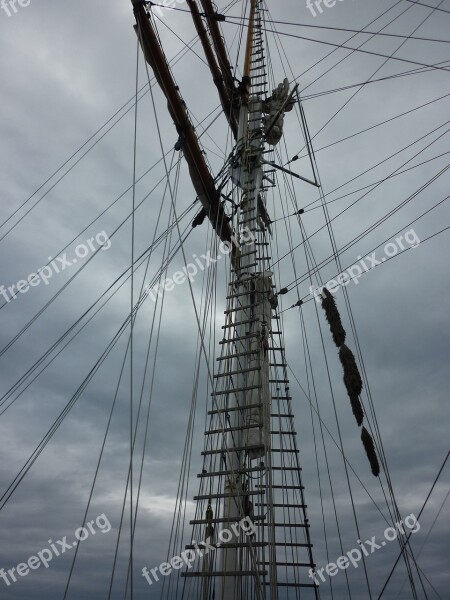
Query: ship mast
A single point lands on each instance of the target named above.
(249, 359)
(250, 505)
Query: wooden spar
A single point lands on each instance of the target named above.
(201, 177)
(224, 91)
(248, 49)
(219, 47)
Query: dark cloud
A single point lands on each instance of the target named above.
(66, 68)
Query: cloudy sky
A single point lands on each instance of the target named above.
(67, 69)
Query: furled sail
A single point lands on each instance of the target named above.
(258, 418)
(275, 108)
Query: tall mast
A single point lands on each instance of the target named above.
(249, 360)
(251, 471)
(250, 505)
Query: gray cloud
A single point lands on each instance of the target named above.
(67, 67)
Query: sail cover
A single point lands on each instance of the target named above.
(257, 436)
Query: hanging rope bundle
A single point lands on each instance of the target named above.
(352, 378)
(207, 561)
(209, 531)
(369, 447)
(199, 219)
(357, 409)
(333, 317)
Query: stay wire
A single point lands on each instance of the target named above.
(93, 136)
(133, 235)
(147, 426)
(23, 378)
(356, 92)
(60, 291)
(165, 261)
(330, 28)
(162, 179)
(426, 539)
(330, 259)
(365, 187)
(353, 325)
(429, 6)
(174, 60)
(204, 350)
(418, 517)
(379, 124)
(344, 88)
(104, 444)
(58, 421)
(369, 52)
(106, 434)
(336, 256)
(364, 195)
(340, 61)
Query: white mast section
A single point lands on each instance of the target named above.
(250, 426)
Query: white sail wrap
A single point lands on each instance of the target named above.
(258, 418)
(275, 108)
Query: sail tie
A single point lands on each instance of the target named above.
(352, 378)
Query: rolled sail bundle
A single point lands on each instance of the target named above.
(257, 417)
(357, 409)
(369, 447)
(333, 317)
(352, 381)
(352, 378)
(199, 219)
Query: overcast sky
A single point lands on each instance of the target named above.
(66, 69)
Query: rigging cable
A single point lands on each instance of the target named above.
(354, 331)
(58, 421)
(133, 235)
(427, 536)
(347, 102)
(429, 6)
(203, 346)
(431, 180)
(370, 52)
(30, 371)
(291, 192)
(108, 429)
(418, 517)
(353, 325)
(145, 89)
(330, 28)
(360, 236)
(163, 270)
